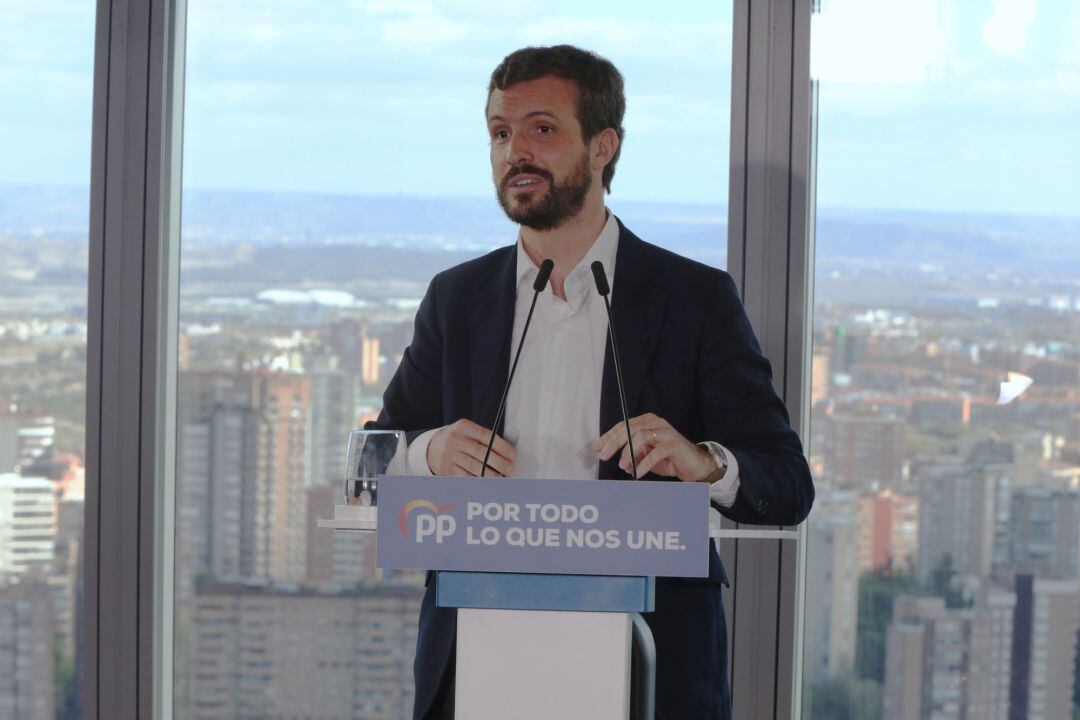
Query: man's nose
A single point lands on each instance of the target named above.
(520, 151)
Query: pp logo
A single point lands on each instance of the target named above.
(428, 524)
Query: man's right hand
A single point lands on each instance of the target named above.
(458, 449)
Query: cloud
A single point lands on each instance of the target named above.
(673, 115)
(1071, 55)
(879, 42)
(265, 34)
(421, 24)
(54, 34)
(618, 37)
(423, 30)
(394, 7)
(1006, 31)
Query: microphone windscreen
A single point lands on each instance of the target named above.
(542, 277)
(600, 277)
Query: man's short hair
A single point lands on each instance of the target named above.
(601, 100)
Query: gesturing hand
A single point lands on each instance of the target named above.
(659, 448)
(458, 449)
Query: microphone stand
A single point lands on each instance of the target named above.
(602, 287)
(538, 286)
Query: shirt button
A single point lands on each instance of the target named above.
(547, 451)
(557, 328)
(551, 388)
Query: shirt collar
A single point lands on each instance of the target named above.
(604, 249)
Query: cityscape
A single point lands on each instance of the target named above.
(943, 551)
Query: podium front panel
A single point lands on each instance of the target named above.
(518, 591)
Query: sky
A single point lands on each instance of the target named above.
(959, 105)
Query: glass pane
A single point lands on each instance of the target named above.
(944, 550)
(335, 159)
(46, 92)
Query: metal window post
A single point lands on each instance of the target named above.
(131, 356)
(770, 257)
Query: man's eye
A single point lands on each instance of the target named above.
(500, 135)
(545, 129)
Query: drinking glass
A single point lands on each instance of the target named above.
(372, 453)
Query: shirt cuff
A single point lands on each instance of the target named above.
(723, 491)
(417, 461)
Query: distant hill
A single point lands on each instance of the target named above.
(463, 226)
(950, 241)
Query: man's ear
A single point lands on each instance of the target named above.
(604, 145)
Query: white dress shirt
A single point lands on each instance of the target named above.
(553, 408)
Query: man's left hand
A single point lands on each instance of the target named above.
(659, 448)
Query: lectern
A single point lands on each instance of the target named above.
(550, 578)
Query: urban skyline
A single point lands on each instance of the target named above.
(908, 440)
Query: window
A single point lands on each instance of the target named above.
(46, 80)
(946, 358)
(335, 158)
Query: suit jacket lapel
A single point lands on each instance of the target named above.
(638, 308)
(491, 327)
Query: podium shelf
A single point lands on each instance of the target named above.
(352, 517)
(519, 591)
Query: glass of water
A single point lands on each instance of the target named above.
(372, 453)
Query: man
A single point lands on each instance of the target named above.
(698, 389)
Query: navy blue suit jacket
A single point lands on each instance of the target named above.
(690, 356)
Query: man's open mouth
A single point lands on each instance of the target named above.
(524, 182)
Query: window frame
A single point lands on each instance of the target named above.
(770, 247)
(126, 652)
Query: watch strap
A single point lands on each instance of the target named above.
(720, 456)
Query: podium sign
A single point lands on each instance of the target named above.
(578, 527)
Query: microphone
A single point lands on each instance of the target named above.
(538, 286)
(603, 288)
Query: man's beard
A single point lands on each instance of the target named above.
(563, 200)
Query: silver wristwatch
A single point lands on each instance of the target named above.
(720, 455)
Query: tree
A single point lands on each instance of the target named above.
(878, 589)
(941, 583)
(64, 686)
(1076, 681)
(845, 698)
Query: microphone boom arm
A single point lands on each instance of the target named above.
(546, 267)
(603, 289)
(618, 380)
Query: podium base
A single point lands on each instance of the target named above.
(539, 665)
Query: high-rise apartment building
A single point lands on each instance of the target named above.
(27, 525)
(832, 578)
(283, 406)
(820, 377)
(66, 576)
(261, 651)
(949, 664)
(344, 340)
(964, 514)
(216, 477)
(26, 651)
(1044, 531)
(333, 415)
(371, 371)
(864, 452)
(888, 530)
(1044, 648)
(26, 437)
(243, 468)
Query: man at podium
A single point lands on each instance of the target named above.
(698, 390)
